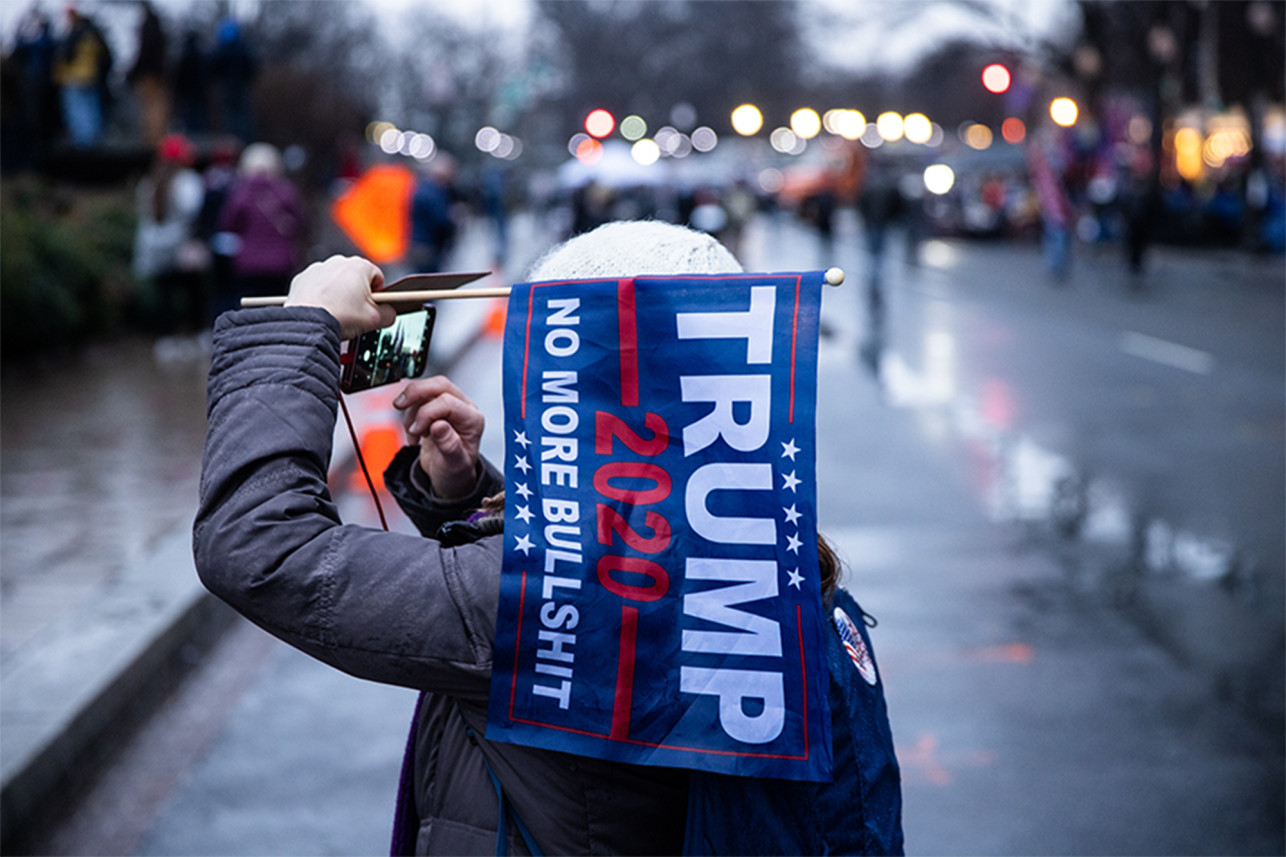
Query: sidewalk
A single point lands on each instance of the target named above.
(101, 611)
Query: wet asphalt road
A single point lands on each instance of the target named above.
(1063, 503)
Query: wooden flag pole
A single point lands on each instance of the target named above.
(398, 297)
(834, 277)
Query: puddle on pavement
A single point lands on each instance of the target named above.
(1204, 596)
(101, 457)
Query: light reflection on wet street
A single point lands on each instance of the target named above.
(101, 457)
(1147, 464)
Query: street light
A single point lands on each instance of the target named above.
(747, 120)
(918, 128)
(939, 178)
(805, 123)
(1063, 111)
(890, 125)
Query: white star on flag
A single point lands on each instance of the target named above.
(524, 544)
(789, 449)
(521, 463)
(520, 438)
(793, 544)
(523, 491)
(790, 480)
(795, 578)
(791, 515)
(524, 514)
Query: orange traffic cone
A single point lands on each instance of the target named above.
(379, 444)
(494, 326)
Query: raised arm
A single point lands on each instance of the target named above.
(268, 539)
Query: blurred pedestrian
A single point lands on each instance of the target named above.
(880, 204)
(150, 76)
(422, 613)
(33, 111)
(495, 201)
(1058, 217)
(81, 67)
(192, 85)
(1140, 208)
(708, 214)
(433, 217)
(167, 253)
(740, 205)
(233, 69)
(266, 215)
(219, 178)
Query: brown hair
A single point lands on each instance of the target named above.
(829, 565)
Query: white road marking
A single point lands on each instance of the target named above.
(1166, 352)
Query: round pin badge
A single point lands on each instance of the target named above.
(856, 648)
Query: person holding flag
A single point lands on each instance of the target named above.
(428, 613)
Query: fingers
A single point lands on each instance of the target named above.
(419, 393)
(425, 402)
(448, 426)
(342, 286)
(463, 416)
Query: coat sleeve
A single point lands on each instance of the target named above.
(268, 540)
(414, 495)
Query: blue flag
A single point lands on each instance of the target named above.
(660, 601)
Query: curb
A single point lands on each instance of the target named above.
(70, 699)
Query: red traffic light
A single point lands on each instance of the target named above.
(995, 78)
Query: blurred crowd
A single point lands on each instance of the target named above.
(221, 215)
(207, 238)
(59, 88)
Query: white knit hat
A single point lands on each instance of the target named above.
(635, 248)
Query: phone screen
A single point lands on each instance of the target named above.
(389, 354)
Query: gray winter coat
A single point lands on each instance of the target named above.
(393, 608)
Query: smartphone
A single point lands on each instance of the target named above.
(389, 354)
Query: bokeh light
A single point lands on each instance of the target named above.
(1013, 130)
(390, 140)
(771, 180)
(995, 78)
(848, 124)
(704, 139)
(939, 178)
(805, 123)
(1187, 153)
(645, 152)
(890, 125)
(977, 136)
(590, 151)
(574, 144)
(633, 128)
(747, 120)
(870, 137)
(599, 123)
(375, 131)
(1063, 111)
(787, 141)
(422, 147)
(918, 128)
(487, 139)
(1139, 130)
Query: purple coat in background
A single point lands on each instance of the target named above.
(266, 213)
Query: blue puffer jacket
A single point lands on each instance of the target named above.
(860, 812)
